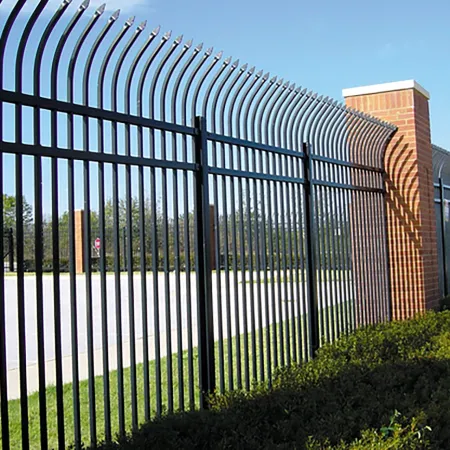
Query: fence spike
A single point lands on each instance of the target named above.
(218, 90)
(295, 106)
(261, 106)
(258, 101)
(189, 82)
(295, 139)
(331, 130)
(115, 15)
(274, 111)
(131, 71)
(243, 98)
(198, 48)
(284, 116)
(90, 59)
(180, 76)
(101, 9)
(200, 83)
(119, 64)
(157, 74)
(209, 90)
(169, 74)
(142, 25)
(324, 126)
(237, 92)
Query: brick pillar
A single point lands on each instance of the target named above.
(412, 239)
(79, 260)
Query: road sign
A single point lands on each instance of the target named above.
(97, 244)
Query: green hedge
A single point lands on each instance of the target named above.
(385, 386)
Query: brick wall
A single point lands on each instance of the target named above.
(412, 239)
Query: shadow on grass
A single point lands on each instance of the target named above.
(331, 403)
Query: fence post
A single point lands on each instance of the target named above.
(444, 253)
(11, 249)
(311, 268)
(204, 271)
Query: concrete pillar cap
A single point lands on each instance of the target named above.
(386, 87)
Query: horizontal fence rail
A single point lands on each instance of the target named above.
(175, 224)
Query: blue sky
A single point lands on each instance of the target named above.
(323, 45)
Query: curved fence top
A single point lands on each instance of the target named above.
(441, 164)
(78, 55)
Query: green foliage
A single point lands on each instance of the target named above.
(346, 398)
(9, 220)
(399, 434)
(9, 212)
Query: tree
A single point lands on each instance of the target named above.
(9, 221)
(9, 212)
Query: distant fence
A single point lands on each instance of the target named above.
(144, 134)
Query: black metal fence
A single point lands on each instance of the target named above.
(168, 142)
(441, 176)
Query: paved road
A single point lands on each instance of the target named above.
(168, 284)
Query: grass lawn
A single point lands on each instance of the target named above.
(382, 387)
(33, 400)
(222, 366)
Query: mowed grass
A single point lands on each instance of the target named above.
(323, 276)
(258, 351)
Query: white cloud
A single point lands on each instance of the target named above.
(128, 6)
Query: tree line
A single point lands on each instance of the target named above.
(175, 237)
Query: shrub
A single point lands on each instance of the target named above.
(345, 398)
